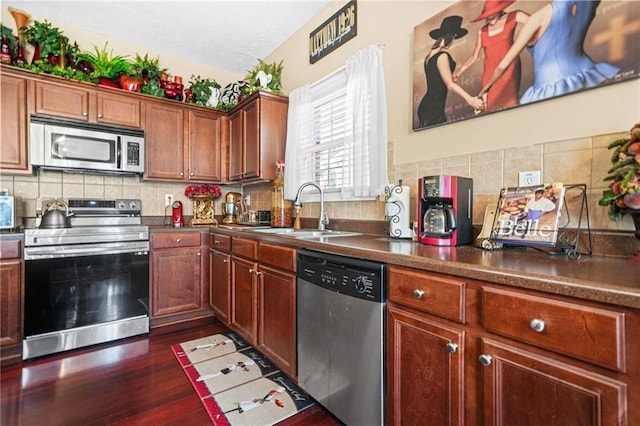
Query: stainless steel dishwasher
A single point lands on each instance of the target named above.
(340, 326)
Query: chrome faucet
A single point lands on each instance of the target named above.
(324, 219)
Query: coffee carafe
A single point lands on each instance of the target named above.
(231, 208)
(444, 210)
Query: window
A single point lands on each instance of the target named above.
(329, 137)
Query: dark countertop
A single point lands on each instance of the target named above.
(603, 279)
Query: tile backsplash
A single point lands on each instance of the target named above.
(584, 160)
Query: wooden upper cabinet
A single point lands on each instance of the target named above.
(14, 120)
(164, 137)
(205, 141)
(87, 105)
(257, 137)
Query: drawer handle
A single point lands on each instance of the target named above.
(418, 294)
(452, 348)
(485, 360)
(178, 240)
(537, 325)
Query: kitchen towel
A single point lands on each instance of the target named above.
(237, 384)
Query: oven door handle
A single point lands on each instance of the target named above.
(51, 252)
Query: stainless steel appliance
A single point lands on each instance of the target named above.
(89, 283)
(231, 208)
(340, 327)
(77, 146)
(444, 210)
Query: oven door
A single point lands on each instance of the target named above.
(76, 301)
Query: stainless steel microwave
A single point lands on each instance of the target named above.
(75, 146)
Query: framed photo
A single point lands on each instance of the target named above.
(481, 57)
(529, 215)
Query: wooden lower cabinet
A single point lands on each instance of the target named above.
(244, 297)
(514, 356)
(11, 278)
(521, 385)
(277, 317)
(425, 368)
(179, 289)
(14, 121)
(220, 284)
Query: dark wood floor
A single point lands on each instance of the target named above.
(134, 381)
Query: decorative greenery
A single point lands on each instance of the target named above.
(146, 68)
(49, 38)
(105, 64)
(201, 90)
(253, 83)
(13, 40)
(624, 190)
(153, 88)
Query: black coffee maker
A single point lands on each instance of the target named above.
(444, 210)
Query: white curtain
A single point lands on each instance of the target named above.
(366, 118)
(367, 107)
(299, 134)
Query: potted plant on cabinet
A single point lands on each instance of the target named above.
(203, 91)
(49, 42)
(144, 70)
(264, 76)
(11, 39)
(107, 68)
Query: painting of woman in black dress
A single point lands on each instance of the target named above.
(438, 68)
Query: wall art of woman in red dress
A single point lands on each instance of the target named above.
(494, 39)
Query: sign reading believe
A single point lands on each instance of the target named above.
(338, 29)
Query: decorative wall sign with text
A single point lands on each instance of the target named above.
(569, 47)
(333, 33)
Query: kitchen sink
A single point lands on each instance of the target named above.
(305, 233)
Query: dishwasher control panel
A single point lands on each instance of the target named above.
(354, 277)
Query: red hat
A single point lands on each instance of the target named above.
(491, 7)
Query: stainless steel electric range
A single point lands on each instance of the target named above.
(87, 283)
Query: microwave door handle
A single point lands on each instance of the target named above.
(119, 153)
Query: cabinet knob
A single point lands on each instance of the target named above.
(198, 254)
(216, 241)
(181, 174)
(84, 114)
(485, 360)
(225, 260)
(191, 174)
(452, 348)
(258, 273)
(418, 294)
(537, 325)
(178, 240)
(251, 271)
(99, 115)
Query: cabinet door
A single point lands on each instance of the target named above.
(14, 120)
(118, 109)
(220, 284)
(251, 166)
(164, 135)
(236, 142)
(10, 304)
(277, 318)
(244, 298)
(62, 101)
(175, 281)
(425, 366)
(205, 162)
(557, 394)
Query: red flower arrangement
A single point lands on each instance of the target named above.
(205, 189)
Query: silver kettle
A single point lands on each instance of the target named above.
(439, 219)
(55, 214)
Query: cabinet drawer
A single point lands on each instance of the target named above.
(220, 242)
(245, 248)
(10, 249)
(427, 292)
(591, 334)
(278, 256)
(175, 239)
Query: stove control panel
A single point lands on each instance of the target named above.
(105, 207)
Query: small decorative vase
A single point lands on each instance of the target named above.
(130, 84)
(107, 82)
(203, 210)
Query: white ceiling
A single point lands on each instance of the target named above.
(230, 35)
